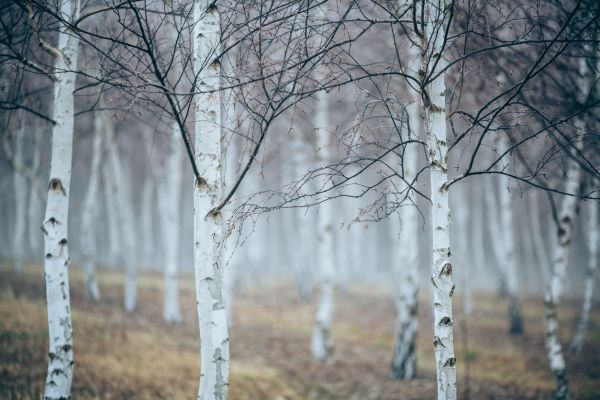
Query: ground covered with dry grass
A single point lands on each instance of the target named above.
(137, 356)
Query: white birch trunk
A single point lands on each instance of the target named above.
(170, 201)
(321, 344)
(148, 209)
(123, 207)
(537, 235)
(212, 313)
(561, 259)
(588, 293)
(406, 265)
(54, 227)
(20, 183)
(510, 262)
(302, 221)
(89, 214)
(434, 115)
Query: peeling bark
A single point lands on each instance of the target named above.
(212, 313)
(54, 227)
(434, 115)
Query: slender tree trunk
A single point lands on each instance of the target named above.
(54, 227)
(212, 313)
(434, 116)
(561, 260)
(510, 267)
(170, 201)
(302, 220)
(124, 215)
(404, 359)
(148, 209)
(20, 183)
(588, 293)
(89, 213)
(321, 344)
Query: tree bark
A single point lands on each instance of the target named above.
(212, 313)
(406, 266)
(54, 227)
(561, 259)
(434, 115)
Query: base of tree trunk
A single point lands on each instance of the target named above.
(561, 379)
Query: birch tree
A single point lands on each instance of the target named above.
(406, 263)
(434, 115)
(212, 313)
(321, 344)
(54, 227)
(508, 234)
(89, 213)
(170, 198)
(566, 216)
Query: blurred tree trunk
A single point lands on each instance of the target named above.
(20, 183)
(406, 239)
(35, 202)
(54, 227)
(509, 259)
(148, 220)
(212, 313)
(170, 197)
(434, 115)
(321, 344)
(170, 204)
(123, 207)
(89, 212)
(302, 221)
(588, 294)
(492, 210)
(113, 252)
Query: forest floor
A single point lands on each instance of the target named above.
(137, 356)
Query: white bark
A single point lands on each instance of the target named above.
(510, 262)
(170, 204)
(434, 116)
(561, 259)
(588, 293)
(148, 209)
(170, 200)
(214, 336)
(123, 207)
(537, 235)
(20, 183)
(321, 344)
(492, 219)
(56, 248)
(89, 214)
(302, 221)
(406, 263)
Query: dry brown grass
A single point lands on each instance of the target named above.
(137, 356)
